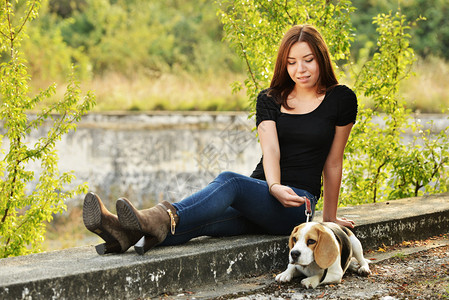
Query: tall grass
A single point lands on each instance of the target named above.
(171, 92)
(167, 92)
(427, 91)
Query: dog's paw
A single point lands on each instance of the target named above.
(364, 270)
(285, 276)
(310, 282)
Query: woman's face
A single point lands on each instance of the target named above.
(302, 66)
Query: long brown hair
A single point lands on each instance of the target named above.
(281, 83)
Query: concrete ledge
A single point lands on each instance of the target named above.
(79, 273)
(395, 221)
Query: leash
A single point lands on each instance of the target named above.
(308, 209)
(308, 212)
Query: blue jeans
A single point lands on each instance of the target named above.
(234, 204)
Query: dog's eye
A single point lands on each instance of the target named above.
(294, 240)
(310, 242)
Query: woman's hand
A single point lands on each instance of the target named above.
(345, 222)
(286, 196)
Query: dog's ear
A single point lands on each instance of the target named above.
(326, 250)
(293, 237)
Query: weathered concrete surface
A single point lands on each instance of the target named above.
(394, 221)
(80, 273)
(150, 156)
(147, 156)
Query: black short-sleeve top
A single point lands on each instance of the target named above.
(305, 139)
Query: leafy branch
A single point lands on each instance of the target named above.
(23, 212)
(378, 163)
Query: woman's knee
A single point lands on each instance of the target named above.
(226, 176)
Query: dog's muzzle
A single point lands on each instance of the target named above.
(295, 254)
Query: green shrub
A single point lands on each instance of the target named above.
(378, 164)
(23, 213)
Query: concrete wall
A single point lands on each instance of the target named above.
(150, 156)
(167, 155)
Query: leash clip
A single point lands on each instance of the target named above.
(308, 209)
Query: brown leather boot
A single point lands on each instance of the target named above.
(154, 222)
(100, 221)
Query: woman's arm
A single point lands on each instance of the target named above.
(332, 174)
(271, 155)
(270, 150)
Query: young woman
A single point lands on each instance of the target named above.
(303, 120)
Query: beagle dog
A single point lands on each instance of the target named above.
(323, 252)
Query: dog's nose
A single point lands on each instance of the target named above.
(295, 254)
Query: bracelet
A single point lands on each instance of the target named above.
(271, 185)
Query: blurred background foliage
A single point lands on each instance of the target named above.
(170, 55)
(129, 37)
(429, 38)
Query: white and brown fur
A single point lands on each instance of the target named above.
(323, 252)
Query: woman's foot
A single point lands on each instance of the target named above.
(100, 221)
(154, 222)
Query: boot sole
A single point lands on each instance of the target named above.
(127, 217)
(92, 221)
